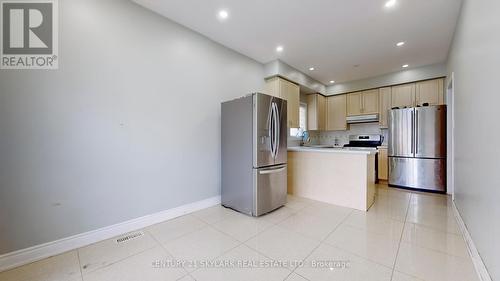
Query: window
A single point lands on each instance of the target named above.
(299, 132)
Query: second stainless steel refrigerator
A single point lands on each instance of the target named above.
(417, 148)
(254, 154)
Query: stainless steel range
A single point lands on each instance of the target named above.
(366, 142)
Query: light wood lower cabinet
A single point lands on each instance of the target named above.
(336, 112)
(288, 91)
(383, 164)
(316, 112)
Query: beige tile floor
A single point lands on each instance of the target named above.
(405, 236)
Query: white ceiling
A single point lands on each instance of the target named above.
(331, 35)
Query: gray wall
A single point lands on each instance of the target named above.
(129, 125)
(474, 59)
(400, 77)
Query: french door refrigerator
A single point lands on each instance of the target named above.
(417, 148)
(254, 154)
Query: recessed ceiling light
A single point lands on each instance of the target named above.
(279, 49)
(390, 3)
(404, 66)
(223, 14)
(331, 81)
(399, 44)
(311, 68)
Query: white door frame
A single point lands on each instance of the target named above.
(450, 101)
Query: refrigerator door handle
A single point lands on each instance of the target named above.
(416, 132)
(276, 129)
(412, 146)
(272, 171)
(271, 131)
(274, 133)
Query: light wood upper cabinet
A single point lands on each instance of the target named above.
(288, 91)
(360, 103)
(272, 87)
(321, 112)
(354, 103)
(431, 92)
(336, 112)
(384, 106)
(416, 94)
(370, 102)
(329, 113)
(403, 95)
(316, 112)
(291, 94)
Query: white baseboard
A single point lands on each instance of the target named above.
(35, 253)
(481, 270)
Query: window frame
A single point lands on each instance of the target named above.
(296, 132)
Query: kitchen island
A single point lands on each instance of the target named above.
(344, 177)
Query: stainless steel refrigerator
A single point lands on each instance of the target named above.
(417, 148)
(254, 154)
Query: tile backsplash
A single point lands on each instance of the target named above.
(342, 137)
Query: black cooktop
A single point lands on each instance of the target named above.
(363, 144)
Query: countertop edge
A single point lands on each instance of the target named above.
(329, 150)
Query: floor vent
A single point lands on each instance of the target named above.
(130, 236)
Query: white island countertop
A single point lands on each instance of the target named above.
(348, 150)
